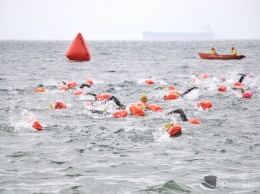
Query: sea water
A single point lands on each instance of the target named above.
(81, 152)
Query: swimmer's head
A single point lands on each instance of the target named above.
(247, 94)
(143, 98)
(167, 125)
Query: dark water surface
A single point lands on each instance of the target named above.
(79, 152)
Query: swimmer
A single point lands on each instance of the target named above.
(70, 85)
(245, 94)
(143, 102)
(174, 130)
(184, 117)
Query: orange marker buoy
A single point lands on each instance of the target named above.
(60, 105)
(72, 84)
(171, 87)
(175, 130)
(78, 50)
(171, 96)
(37, 126)
(89, 81)
(136, 111)
(222, 88)
(120, 113)
(63, 88)
(194, 121)
(101, 97)
(238, 84)
(205, 104)
(149, 82)
(155, 108)
(39, 90)
(205, 76)
(79, 92)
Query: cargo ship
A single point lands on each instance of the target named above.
(204, 34)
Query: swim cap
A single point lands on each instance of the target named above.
(167, 125)
(50, 106)
(143, 97)
(247, 94)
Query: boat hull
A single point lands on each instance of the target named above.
(220, 57)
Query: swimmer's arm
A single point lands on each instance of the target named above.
(83, 85)
(241, 89)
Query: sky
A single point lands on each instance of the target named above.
(126, 19)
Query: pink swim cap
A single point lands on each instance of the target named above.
(247, 94)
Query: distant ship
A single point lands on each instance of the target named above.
(204, 34)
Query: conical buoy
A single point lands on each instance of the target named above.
(78, 50)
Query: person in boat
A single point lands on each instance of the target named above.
(245, 94)
(213, 51)
(234, 51)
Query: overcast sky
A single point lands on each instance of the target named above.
(126, 19)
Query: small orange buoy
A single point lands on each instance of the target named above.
(89, 81)
(149, 82)
(205, 76)
(39, 90)
(60, 105)
(175, 130)
(155, 108)
(205, 104)
(120, 113)
(37, 126)
(101, 97)
(222, 88)
(72, 84)
(63, 88)
(136, 111)
(171, 87)
(171, 96)
(238, 84)
(194, 121)
(79, 92)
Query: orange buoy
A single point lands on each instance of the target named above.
(79, 92)
(222, 88)
(60, 105)
(78, 50)
(72, 84)
(205, 76)
(39, 90)
(149, 82)
(89, 81)
(205, 104)
(136, 111)
(175, 130)
(171, 96)
(238, 84)
(37, 126)
(171, 87)
(63, 88)
(155, 108)
(120, 113)
(194, 121)
(101, 97)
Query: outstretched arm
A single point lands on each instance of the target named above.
(242, 77)
(182, 114)
(83, 85)
(241, 89)
(187, 91)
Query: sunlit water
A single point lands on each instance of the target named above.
(80, 152)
